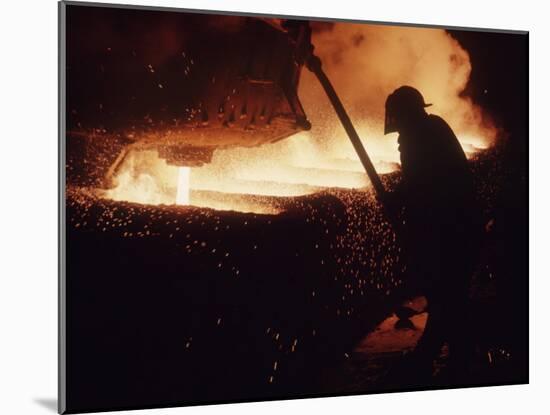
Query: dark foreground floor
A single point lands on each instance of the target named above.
(180, 305)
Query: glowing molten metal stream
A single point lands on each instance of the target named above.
(184, 175)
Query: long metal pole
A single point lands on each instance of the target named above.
(314, 65)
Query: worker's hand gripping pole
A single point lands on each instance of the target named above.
(314, 64)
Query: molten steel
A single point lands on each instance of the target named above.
(364, 71)
(182, 196)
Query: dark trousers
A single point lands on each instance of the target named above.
(441, 263)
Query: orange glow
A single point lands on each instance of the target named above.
(365, 64)
(182, 195)
(145, 178)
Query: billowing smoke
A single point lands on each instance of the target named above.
(366, 62)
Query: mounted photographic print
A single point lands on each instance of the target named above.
(261, 207)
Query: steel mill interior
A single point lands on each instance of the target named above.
(223, 240)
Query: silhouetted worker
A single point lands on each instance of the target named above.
(442, 224)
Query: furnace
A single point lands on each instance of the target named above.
(223, 86)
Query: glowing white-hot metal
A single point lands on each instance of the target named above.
(184, 176)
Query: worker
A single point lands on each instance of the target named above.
(442, 225)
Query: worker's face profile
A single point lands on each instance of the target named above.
(390, 123)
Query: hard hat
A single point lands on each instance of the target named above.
(403, 101)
